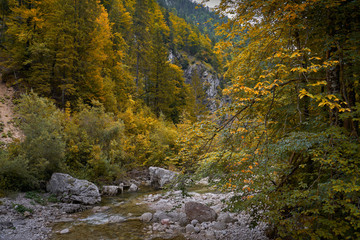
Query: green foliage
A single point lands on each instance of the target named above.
(52, 198)
(288, 143)
(22, 209)
(36, 197)
(196, 14)
(14, 173)
(90, 143)
(94, 142)
(149, 140)
(44, 145)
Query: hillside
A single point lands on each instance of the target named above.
(203, 17)
(116, 51)
(8, 130)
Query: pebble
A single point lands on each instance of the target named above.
(165, 221)
(64, 231)
(190, 228)
(194, 222)
(219, 226)
(146, 217)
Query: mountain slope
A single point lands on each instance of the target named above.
(196, 14)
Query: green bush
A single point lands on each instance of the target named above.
(43, 147)
(15, 174)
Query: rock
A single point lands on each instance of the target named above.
(209, 80)
(159, 215)
(27, 214)
(183, 220)
(133, 188)
(146, 217)
(159, 177)
(70, 189)
(203, 181)
(116, 219)
(165, 221)
(196, 229)
(121, 187)
(210, 235)
(110, 190)
(6, 224)
(73, 208)
(190, 228)
(225, 218)
(64, 231)
(200, 212)
(173, 216)
(219, 226)
(64, 220)
(194, 222)
(158, 227)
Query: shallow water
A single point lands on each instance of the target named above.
(90, 226)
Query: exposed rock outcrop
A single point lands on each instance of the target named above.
(70, 189)
(210, 82)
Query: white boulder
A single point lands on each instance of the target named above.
(70, 189)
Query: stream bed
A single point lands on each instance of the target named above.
(116, 218)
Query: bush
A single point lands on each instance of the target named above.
(43, 146)
(15, 174)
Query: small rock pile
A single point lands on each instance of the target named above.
(198, 216)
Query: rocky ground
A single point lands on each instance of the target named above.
(200, 216)
(30, 218)
(171, 219)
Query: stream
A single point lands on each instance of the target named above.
(117, 220)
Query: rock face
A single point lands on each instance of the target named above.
(160, 176)
(70, 189)
(209, 80)
(200, 212)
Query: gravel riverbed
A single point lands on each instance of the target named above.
(27, 218)
(169, 218)
(24, 218)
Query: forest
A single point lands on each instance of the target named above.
(101, 89)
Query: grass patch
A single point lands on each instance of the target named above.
(36, 197)
(52, 198)
(22, 209)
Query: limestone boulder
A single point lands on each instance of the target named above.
(200, 212)
(70, 189)
(159, 177)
